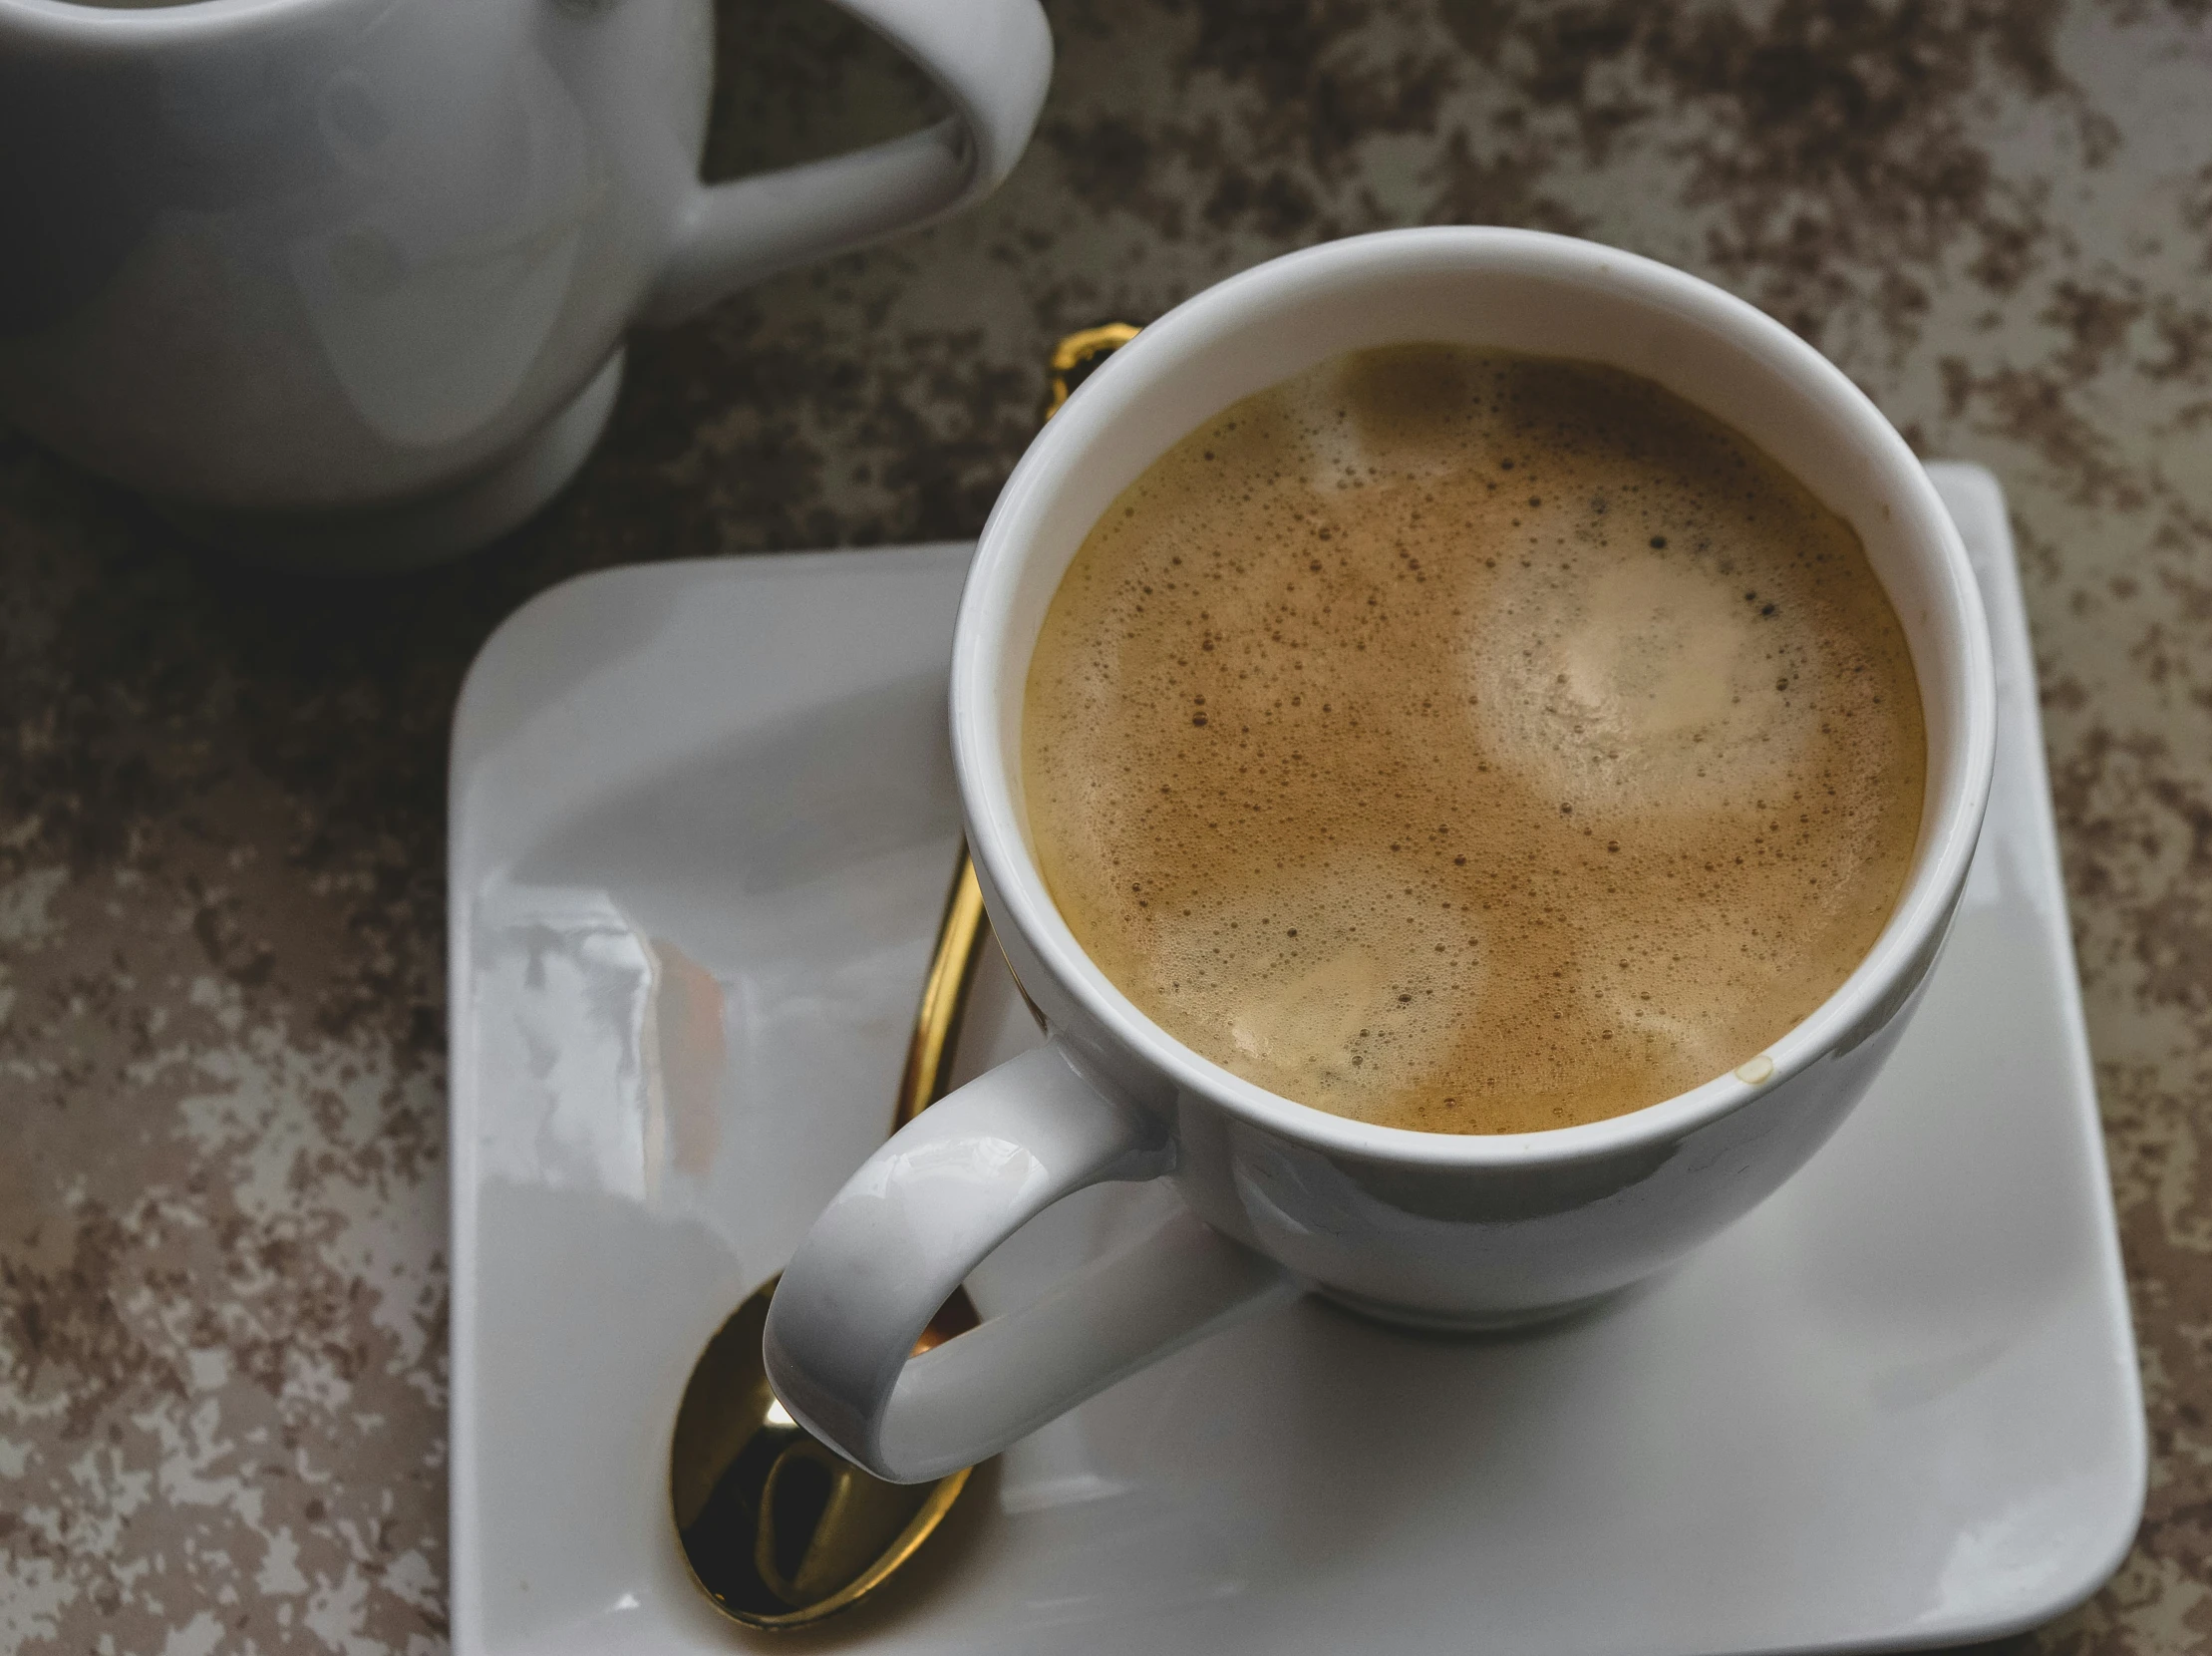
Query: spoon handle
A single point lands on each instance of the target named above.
(952, 972)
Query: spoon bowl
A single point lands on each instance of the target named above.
(777, 1529)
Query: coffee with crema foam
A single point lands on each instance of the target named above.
(1472, 742)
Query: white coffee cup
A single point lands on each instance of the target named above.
(1434, 1231)
(344, 283)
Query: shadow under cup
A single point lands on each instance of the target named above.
(1451, 1229)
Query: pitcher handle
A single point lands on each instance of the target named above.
(993, 59)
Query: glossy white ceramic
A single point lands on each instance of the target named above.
(1436, 1229)
(703, 819)
(345, 281)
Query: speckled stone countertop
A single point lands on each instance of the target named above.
(223, 1221)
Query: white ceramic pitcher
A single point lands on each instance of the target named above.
(344, 282)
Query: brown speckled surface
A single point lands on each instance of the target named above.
(222, 1299)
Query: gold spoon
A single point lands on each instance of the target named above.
(777, 1529)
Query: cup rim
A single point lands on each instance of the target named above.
(1013, 879)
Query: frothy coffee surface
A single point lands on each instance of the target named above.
(1472, 742)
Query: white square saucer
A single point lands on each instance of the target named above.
(703, 819)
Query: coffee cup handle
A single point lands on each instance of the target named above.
(922, 1212)
(992, 58)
